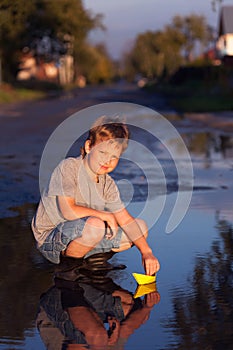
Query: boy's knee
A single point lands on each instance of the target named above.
(95, 223)
(95, 227)
(93, 232)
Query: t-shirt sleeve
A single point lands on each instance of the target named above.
(113, 200)
(63, 180)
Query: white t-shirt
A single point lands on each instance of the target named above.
(71, 179)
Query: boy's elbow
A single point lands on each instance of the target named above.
(66, 210)
(68, 214)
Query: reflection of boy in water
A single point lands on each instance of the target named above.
(91, 316)
(81, 213)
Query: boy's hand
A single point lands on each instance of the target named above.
(150, 263)
(111, 223)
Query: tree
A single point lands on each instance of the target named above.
(159, 54)
(147, 57)
(95, 64)
(22, 21)
(13, 25)
(155, 54)
(194, 29)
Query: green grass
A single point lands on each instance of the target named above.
(9, 94)
(196, 96)
(28, 90)
(203, 103)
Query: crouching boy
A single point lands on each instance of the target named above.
(81, 215)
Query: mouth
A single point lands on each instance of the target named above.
(103, 167)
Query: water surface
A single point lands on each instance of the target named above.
(196, 277)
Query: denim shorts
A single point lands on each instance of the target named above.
(58, 240)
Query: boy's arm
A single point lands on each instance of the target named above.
(71, 211)
(134, 233)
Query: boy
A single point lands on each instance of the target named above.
(81, 214)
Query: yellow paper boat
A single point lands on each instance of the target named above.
(144, 279)
(145, 289)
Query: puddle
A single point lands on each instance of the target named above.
(194, 284)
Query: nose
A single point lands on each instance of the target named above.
(106, 159)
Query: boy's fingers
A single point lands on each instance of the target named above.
(151, 266)
(109, 231)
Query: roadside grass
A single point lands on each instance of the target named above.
(203, 103)
(196, 96)
(9, 94)
(25, 91)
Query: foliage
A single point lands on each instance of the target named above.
(199, 89)
(95, 64)
(22, 21)
(64, 16)
(194, 29)
(13, 24)
(8, 94)
(159, 54)
(153, 53)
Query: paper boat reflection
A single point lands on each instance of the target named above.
(144, 289)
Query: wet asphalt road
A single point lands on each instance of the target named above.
(25, 128)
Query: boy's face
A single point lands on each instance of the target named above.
(104, 156)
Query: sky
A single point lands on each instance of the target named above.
(125, 19)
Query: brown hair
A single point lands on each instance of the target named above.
(106, 128)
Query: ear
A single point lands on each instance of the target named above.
(87, 146)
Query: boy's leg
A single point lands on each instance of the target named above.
(92, 234)
(73, 262)
(125, 242)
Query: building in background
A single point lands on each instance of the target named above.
(224, 45)
(48, 59)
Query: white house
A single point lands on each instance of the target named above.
(224, 43)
